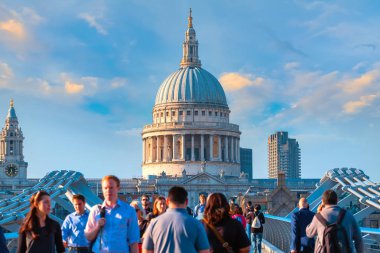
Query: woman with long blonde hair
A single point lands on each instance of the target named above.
(39, 233)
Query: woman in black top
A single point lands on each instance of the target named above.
(39, 233)
(220, 226)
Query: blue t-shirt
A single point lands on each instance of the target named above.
(199, 210)
(175, 231)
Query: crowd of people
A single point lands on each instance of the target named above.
(169, 225)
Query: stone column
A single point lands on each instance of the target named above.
(211, 147)
(192, 148)
(202, 147)
(232, 150)
(151, 149)
(183, 147)
(165, 153)
(219, 148)
(238, 150)
(174, 148)
(143, 151)
(158, 150)
(226, 148)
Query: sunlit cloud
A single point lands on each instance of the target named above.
(353, 107)
(13, 27)
(358, 84)
(235, 81)
(93, 22)
(73, 88)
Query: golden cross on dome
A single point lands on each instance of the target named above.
(190, 20)
(12, 102)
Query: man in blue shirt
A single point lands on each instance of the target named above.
(200, 208)
(113, 225)
(73, 227)
(175, 230)
(299, 221)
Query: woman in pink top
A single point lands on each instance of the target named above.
(238, 215)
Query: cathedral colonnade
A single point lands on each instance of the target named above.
(191, 147)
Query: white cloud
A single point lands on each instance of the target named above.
(93, 22)
(133, 132)
(291, 65)
(234, 81)
(118, 82)
(31, 15)
(5, 71)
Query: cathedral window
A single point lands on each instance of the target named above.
(203, 113)
(167, 114)
(11, 142)
(11, 134)
(196, 113)
(173, 113)
(180, 113)
(188, 113)
(216, 113)
(162, 114)
(209, 113)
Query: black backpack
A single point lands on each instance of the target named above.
(335, 238)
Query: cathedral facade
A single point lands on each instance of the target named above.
(191, 128)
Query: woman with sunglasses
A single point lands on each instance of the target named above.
(39, 233)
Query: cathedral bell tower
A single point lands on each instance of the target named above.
(12, 164)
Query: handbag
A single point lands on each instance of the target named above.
(225, 244)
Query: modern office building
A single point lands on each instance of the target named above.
(246, 161)
(284, 155)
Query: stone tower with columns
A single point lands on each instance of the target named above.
(191, 122)
(12, 164)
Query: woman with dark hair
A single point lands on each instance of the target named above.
(38, 232)
(224, 233)
(238, 215)
(159, 207)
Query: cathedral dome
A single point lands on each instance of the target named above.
(191, 85)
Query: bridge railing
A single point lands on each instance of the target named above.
(278, 233)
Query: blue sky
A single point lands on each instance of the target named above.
(84, 75)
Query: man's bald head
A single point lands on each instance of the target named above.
(303, 203)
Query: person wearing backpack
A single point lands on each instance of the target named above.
(336, 228)
(257, 228)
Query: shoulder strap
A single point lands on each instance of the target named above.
(341, 216)
(217, 234)
(321, 219)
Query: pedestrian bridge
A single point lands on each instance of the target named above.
(351, 184)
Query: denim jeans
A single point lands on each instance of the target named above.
(256, 239)
(248, 230)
